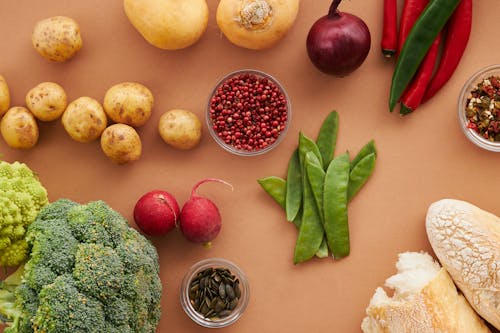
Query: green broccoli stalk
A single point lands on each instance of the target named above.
(21, 198)
(87, 271)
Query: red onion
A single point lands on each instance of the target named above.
(338, 43)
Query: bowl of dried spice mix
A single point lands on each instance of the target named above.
(248, 112)
(479, 108)
(214, 293)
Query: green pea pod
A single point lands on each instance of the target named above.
(366, 150)
(316, 177)
(359, 175)
(430, 22)
(311, 228)
(335, 206)
(293, 197)
(275, 187)
(327, 137)
(306, 145)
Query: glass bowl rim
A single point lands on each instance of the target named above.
(472, 135)
(230, 148)
(235, 314)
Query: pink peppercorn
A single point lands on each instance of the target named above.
(248, 112)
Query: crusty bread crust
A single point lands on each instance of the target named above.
(466, 240)
(438, 307)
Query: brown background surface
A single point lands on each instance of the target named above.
(422, 158)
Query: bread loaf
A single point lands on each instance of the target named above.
(425, 300)
(466, 241)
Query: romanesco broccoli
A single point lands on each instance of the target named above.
(21, 198)
(87, 271)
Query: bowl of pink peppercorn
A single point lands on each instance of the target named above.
(248, 112)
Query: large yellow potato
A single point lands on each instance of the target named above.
(256, 24)
(168, 24)
(84, 119)
(19, 128)
(129, 103)
(121, 143)
(4, 96)
(57, 38)
(180, 129)
(47, 101)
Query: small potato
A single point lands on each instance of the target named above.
(129, 103)
(47, 101)
(180, 128)
(57, 38)
(4, 96)
(84, 119)
(19, 128)
(121, 143)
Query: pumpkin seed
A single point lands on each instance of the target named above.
(230, 292)
(224, 313)
(219, 306)
(222, 290)
(214, 292)
(233, 303)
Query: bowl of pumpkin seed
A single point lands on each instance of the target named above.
(214, 293)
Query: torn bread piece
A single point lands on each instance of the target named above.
(466, 240)
(425, 300)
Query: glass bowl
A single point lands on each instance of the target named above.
(471, 134)
(246, 117)
(234, 314)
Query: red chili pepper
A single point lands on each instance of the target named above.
(414, 94)
(411, 11)
(458, 32)
(389, 42)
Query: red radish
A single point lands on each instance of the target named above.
(156, 213)
(200, 220)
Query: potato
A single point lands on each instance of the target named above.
(121, 143)
(19, 128)
(168, 24)
(57, 38)
(84, 119)
(47, 101)
(129, 103)
(180, 128)
(4, 96)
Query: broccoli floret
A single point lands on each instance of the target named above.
(98, 271)
(21, 198)
(63, 308)
(88, 271)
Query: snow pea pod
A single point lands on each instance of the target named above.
(366, 150)
(359, 175)
(316, 177)
(327, 137)
(418, 42)
(311, 229)
(307, 145)
(275, 187)
(293, 197)
(335, 206)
